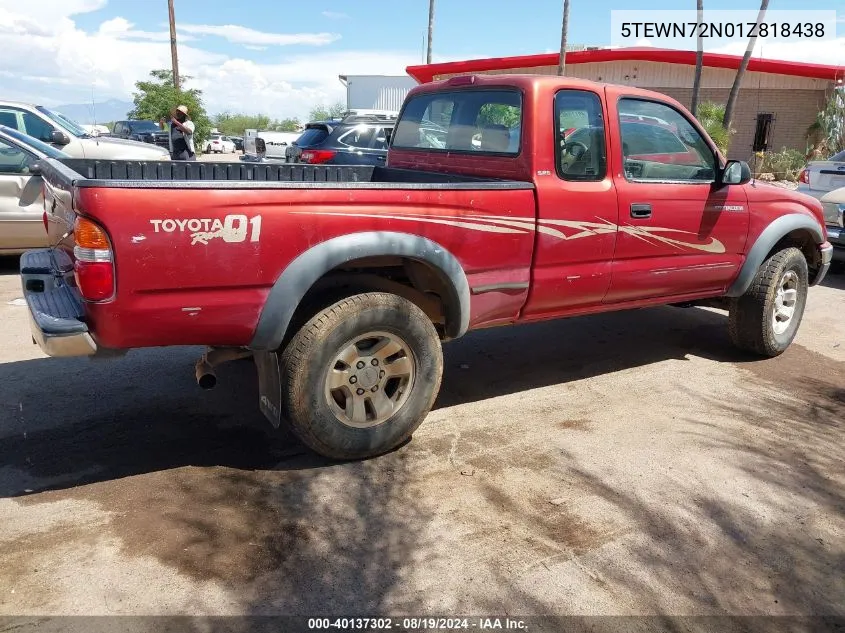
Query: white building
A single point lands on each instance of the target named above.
(376, 92)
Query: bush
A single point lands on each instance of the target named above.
(783, 165)
(710, 116)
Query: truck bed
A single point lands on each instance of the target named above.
(81, 172)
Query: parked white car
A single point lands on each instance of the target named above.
(219, 144)
(822, 176)
(62, 133)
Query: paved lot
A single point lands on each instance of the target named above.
(630, 463)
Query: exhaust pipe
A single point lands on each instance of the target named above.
(206, 378)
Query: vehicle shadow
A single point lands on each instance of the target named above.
(10, 264)
(834, 280)
(68, 422)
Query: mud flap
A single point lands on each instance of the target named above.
(269, 386)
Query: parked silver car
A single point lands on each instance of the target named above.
(822, 176)
(21, 192)
(62, 133)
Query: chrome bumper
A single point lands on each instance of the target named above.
(55, 307)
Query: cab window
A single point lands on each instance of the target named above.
(471, 120)
(579, 133)
(37, 127)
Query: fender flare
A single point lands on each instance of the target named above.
(308, 267)
(766, 241)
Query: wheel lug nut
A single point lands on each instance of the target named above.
(375, 361)
(374, 389)
(381, 374)
(360, 392)
(353, 379)
(360, 364)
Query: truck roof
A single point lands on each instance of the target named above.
(528, 83)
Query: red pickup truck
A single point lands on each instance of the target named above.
(505, 199)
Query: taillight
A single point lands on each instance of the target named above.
(44, 220)
(317, 156)
(804, 176)
(94, 266)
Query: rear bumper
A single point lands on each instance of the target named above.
(56, 314)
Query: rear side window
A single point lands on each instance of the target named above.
(475, 121)
(359, 136)
(312, 136)
(580, 136)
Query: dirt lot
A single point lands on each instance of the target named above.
(630, 463)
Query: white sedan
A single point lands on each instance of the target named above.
(820, 177)
(219, 144)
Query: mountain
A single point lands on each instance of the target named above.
(111, 110)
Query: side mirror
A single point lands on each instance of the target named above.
(59, 138)
(35, 168)
(387, 134)
(736, 172)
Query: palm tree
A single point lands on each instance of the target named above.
(561, 66)
(699, 59)
(430, 29)
(731, 104)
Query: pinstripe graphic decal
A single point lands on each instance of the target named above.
(577, 229)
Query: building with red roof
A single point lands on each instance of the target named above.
(778, 101)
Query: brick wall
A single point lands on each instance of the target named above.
(794, 110)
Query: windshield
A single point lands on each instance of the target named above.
(837, 158)
(71, 126)
(144, 126)
(34, 143)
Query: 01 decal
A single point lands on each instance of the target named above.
(232, 229)
(565, 230)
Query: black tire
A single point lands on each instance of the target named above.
(308, 358)
(750, 322)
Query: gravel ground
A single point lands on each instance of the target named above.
(628, 463)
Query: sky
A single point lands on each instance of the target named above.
(281, 57)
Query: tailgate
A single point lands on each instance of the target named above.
(827, 176)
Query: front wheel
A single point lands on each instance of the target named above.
(360, 376)
(765, 319)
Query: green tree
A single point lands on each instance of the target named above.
(324, 113)
(235, 124)
(710, 115)
(288, 125)
(157, 97)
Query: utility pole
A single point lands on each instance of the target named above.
(174, 56)
(430, 30)
(561, 66)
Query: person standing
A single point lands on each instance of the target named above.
(182, 135)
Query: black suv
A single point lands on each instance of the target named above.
(146, 131)
(352, 140)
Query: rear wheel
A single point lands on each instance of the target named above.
(765, 319)
(360, 376)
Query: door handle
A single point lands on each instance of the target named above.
(640, 211)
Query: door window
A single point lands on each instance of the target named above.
(580, 145)
(9, 118)
(13, 160)
(660, 144)
(37, 127)
(382, 138)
